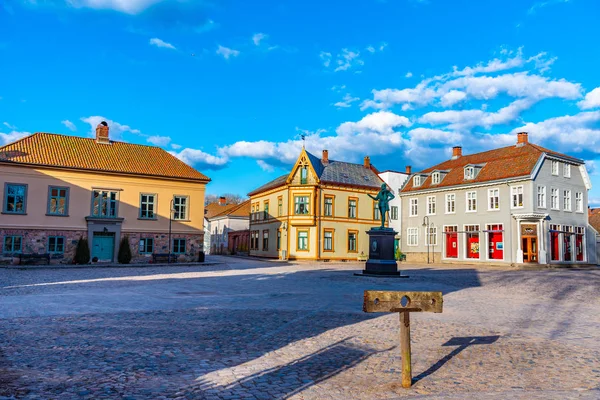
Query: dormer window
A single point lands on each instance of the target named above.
(417, 181)
(435, 178)
(469, 173)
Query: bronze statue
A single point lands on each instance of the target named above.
(383, 202)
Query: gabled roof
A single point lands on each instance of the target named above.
(213, 209)
(73, 152)
(237, 210)
(333, 172)
(594, 218)
(503, 163)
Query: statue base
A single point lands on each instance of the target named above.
(382, 257)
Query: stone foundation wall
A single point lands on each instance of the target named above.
(422, 257)
(36, 241)
(194, 245)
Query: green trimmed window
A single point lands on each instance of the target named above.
(13, 244)
(58, 199)
(179, 246)
(56, 244)
(15, 198)
(180, 207)
(147, 245)
(104, 204)
(147, 206)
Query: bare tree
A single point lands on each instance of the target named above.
(230, 198)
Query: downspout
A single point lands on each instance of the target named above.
(317, 215)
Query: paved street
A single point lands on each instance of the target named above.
(245, 329)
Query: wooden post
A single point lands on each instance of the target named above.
(405, 349)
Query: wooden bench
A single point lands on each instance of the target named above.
(164, 258)
(33, 258)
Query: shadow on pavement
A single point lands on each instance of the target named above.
(462, 343)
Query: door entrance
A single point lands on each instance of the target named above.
(103, 246)
(451, 242)
(530, 249)
(495, 242)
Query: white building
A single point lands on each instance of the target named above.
(395, 180)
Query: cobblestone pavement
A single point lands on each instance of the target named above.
(265, 330)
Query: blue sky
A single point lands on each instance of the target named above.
(229, 86)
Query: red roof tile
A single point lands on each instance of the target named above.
(62, 151)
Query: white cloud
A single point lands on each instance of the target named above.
(264, 166)
(348, 59)
(381, 122)
(541, 4)
(227, 52)
(116, 129)
(591, 100)
(125, 6)
(161, 141)
(160, 43)
(338, 88)
(452, 97)
(257, 37)
(175, 146)
(9, 126)
(69, 125)
(6, 138)
(370, 49)
(408, 75)
(326, 58)
(200, 159)
(346, 101)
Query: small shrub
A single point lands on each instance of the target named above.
(82, 252)
(124, 256)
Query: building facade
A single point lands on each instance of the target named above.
(56, 189)
(234, 217)
(395, 180)
(517, 204)
(319, 211)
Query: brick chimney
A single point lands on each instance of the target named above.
(325, 158)
(456, 152)
(367, 162)
(222, 201)
(408, 169)
(102, 133)
(522, 139)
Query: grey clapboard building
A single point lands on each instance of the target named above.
(516, 204)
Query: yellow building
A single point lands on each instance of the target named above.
(56, 189)
(320, 211)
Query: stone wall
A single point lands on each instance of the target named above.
(36, 241)
(194, 245)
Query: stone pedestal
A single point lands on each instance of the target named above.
(382, 258)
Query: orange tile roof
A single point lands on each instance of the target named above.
(238, 210)
(213, 209)
(502, 163)
(594, 218)
(62, 151)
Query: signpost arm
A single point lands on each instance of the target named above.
(405, 349)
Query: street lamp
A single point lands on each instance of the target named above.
(171, 211)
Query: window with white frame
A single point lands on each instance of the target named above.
(541, 196)
(567, 170)
(471, 201)
(414, 207)
(554, 199)
(450, 203)
(430, 205)
(435, 178)
(567, 200)
(431, 236)
(417, 181)
(394, 212)
(494, 199)
(469, 172)
(555, 168)
(517, 196)
(412, 237)
(579, 202)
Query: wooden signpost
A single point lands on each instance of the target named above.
(403, 303)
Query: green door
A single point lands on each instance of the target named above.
(103, 247)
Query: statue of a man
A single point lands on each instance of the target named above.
(383, 202)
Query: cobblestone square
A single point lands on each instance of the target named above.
(246, 329)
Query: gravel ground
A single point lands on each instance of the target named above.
(264, 330)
